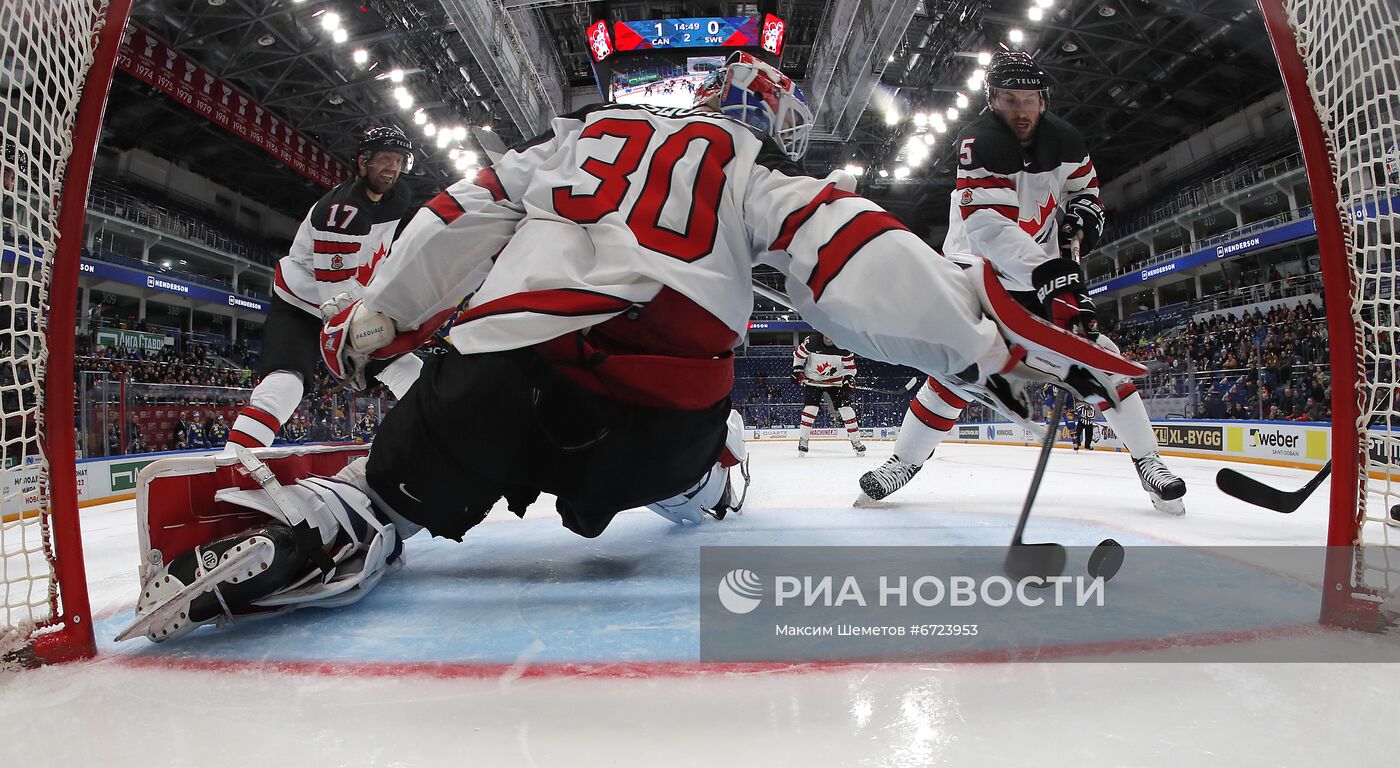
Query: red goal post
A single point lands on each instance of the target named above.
(58, 58)
(1340, 61)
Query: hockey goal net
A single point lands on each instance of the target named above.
(1340, 61)
(56, 61)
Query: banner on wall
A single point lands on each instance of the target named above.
(134, 341)
(156, 63)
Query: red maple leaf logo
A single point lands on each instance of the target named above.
(825, 368)
(1033, 227)
(366, 271)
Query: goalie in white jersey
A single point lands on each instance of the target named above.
(609, 266)
(1026, 200)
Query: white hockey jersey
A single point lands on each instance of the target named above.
(822, 364)
(594, 219)
(1009, 200)
(338, 244)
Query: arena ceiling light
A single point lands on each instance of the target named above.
(1046, 4)
(330, 21)
(884, 174)
(340, 35)
(395, 75)
(891, 117)
(459, 133)
(360, 56)
(444, 137)
(952, 113)
(854, 170)
(920, 120)
(984, 58)
(901, 173)
(1015, 36)
(429, 129)
(961, 101)
(974, 81)
(1035, 13)
(420, 117)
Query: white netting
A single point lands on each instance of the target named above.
(1351, 51)
(46, 49)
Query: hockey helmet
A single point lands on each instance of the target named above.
(755, 92)
(1015, 71)
(386, 138)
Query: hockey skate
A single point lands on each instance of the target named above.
(1162, 485)
(885, 479)
(859, 448)
(801, 448)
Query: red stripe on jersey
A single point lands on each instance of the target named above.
(487, 179)
(945, 394)
(282, 283)
(446, 207)
(1083, 170)
(797, 218)
(565, 302)
(850, 238)
(1009, 211)
(334, 246)
(929, 418)
(991, 182)
(334, 275)
(262, 417)
(244, 439)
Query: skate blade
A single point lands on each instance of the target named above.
(864, 501)
(168, 608)
(1173, 507)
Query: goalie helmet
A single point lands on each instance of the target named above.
(386, 138)
(1015, 71)
(756, 93)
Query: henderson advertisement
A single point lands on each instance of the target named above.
(1270, 237)
(104, 271)
(153, 61)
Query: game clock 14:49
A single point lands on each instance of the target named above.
(708, 32)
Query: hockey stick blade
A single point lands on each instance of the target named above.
(1247, 489)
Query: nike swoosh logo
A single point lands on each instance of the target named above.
(405, 492)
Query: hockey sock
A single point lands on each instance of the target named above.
(930, 418)
(848, 417)
(809, 417)
(1130, 421)
(273, 401)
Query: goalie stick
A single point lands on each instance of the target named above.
(1246, 488)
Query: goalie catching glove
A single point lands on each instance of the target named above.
(357, 337)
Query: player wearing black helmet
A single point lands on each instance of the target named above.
(337, 247)
(1027, 201)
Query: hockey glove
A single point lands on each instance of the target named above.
(335, 305)
(798, 377)
(1062, 291)
(350, 338)
(1084, 218)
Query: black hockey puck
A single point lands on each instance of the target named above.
(1395, 513)
(1106, 559)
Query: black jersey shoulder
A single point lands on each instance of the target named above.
(351, 194)
(987, 144)
(996, 149)
(1056, 141)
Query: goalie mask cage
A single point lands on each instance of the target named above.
(56, 64)
(1340, 61)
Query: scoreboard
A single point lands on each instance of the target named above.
(703, 32)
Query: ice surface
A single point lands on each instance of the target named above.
(527, 645)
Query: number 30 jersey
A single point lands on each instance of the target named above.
(618, 202)
(338, 244)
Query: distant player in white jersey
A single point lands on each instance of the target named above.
(1026, 200)
(336, 249)
(823, 370)
(609, 265)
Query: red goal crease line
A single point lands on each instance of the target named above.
(684, 669)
